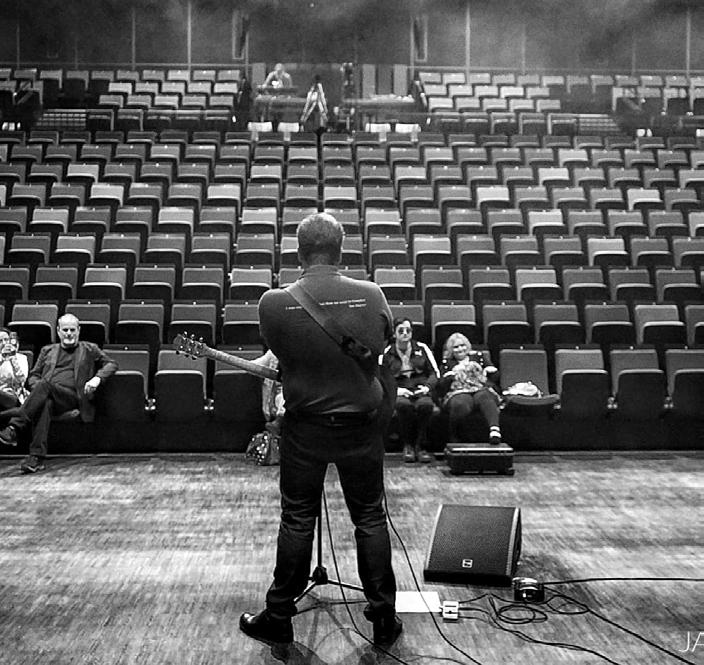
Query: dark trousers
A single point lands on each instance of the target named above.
(358, 453)
(44, 401)
(414, 418)
(460, 407)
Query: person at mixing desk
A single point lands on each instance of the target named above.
(278, 78)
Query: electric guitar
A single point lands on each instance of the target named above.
(193, 348)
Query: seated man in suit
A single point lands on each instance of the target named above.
(64, 378)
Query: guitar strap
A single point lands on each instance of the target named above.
(329, 325)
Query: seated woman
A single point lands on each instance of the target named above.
(14, 369)
(465, 384)
(416, 372)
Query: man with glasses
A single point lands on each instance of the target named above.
(64, 379)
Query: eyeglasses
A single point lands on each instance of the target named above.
(403, 329)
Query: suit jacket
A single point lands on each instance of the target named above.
(91, 361)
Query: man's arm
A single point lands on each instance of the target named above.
(105, 364)
(106, 368)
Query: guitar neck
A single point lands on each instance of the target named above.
(247, 365)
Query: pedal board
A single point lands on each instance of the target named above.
(479, 458)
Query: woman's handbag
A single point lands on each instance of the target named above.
(263, 449)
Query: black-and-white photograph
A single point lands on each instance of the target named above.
(351, 332)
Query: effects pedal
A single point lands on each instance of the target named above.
(450, 610)
(528, 590)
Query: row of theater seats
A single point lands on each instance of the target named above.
(628, 381)
(492, 322)
(81, 87)
(625, 241)
(597, 93)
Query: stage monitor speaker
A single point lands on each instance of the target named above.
(474, 545)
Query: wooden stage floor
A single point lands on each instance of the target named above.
(151, 560)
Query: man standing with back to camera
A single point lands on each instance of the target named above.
(333, 415)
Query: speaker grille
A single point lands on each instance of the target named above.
(474, 545)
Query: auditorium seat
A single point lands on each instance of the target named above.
(397, 283)
(439, 283)
(504, 222)
(694, 320)
(32, 249)
(556, 323)
(95, 317)
(166, 248)
(240, 325)
(140, 322)
(637, 383)
(582, 383)
(449, 317)
(179, 388)
(688, 252)
(519, 250)
(608, 324)
(536, 283)
(504, 323)
(630, 285)
(249, 283)
(685, 381)
(34, 323)
(650, 253)
(154, 282)
(55, 283)
(122, 248)
(526, 363)
(197, 318)
(658, 324)
(13, 220)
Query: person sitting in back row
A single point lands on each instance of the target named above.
(413, 366)
(14, 369)
(64, 378)
(278, 78)
(465, 384)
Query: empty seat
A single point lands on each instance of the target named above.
(637, 383)
(582, 383)
(179, 388)
(505, 323)
(241, 324)
(658, 324)
(685, 381)
(34, 323)
(608, 324)
(195, 318)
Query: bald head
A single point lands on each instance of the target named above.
(68, 329)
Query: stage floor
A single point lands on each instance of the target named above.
(151, 560)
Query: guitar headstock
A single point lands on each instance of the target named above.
(190, 346)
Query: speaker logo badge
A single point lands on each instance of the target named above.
(467, 563)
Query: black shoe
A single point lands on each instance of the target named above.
(32, 464)
(8, 436)
(409, 455)
(387, 630)
(264, 627)
(423, 456)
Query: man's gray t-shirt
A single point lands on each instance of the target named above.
(317, 376)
